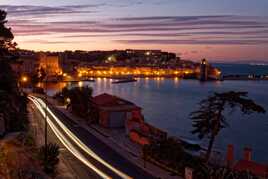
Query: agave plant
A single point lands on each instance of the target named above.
(49, 157)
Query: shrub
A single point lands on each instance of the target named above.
(49, 158)
(172, 153)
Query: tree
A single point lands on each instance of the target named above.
(13, 105)
(7, 78)
(78, 99)
(209, 120)
(215, 172)
(8, 81)
(38, 76)
(6, 37)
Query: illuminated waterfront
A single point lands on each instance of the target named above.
(167, 103)
(138, 71)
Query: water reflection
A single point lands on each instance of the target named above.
(80, 83)
(167, 104)
(176, 82)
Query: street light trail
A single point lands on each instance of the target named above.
(81, 144)
(68, 145)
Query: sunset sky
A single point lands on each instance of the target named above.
(220, 30)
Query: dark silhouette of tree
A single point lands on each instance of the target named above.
(8, 81)
(79, 100)
(13, 104)
(209, 120)
(6, 37)
(39, 76)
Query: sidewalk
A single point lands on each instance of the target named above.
(118, 141)
(64, 171)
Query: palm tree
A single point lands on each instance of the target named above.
(209, 119)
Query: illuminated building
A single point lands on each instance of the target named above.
(132, 72)
(50, 63)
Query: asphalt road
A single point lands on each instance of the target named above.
(78, 169)
(114, 165)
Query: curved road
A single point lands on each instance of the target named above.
(88, 156)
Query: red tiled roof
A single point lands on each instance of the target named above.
(110, 100)
(104, 99)
(253, 167)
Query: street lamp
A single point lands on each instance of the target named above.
(46, 116)
(24, 79)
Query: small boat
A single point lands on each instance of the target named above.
(124, 81)
(90, 80)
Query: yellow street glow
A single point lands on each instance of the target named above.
(24, 79)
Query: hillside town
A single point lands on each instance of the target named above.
(79, 65)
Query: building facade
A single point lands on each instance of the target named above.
(50, 63)
(113, 111)
(204, 70)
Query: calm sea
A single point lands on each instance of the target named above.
(167, 104)
(242, 69)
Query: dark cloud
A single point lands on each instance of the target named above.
(219, 29)
(40, 41)
(82, 29)
(171, 18)
(195, 42)
(28, 10)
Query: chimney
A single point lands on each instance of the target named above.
(230, 155)
(188, 173)
(247, 154)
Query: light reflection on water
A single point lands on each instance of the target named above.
(167, 104)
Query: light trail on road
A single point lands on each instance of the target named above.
(67, 144)
(40, 105)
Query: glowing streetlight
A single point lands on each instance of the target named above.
(24, 79)
(68, 100)
(80, 84)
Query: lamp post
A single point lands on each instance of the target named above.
(46, 116)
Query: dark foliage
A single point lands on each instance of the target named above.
(171, 153)
(209, 120)
(39, 76)
(6, 37)
(79, 99)
(50, 162)
(13, 103)
(209, 172)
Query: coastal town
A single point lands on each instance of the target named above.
(81, 65)
(144, 98)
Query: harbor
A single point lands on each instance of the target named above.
(172, 115)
